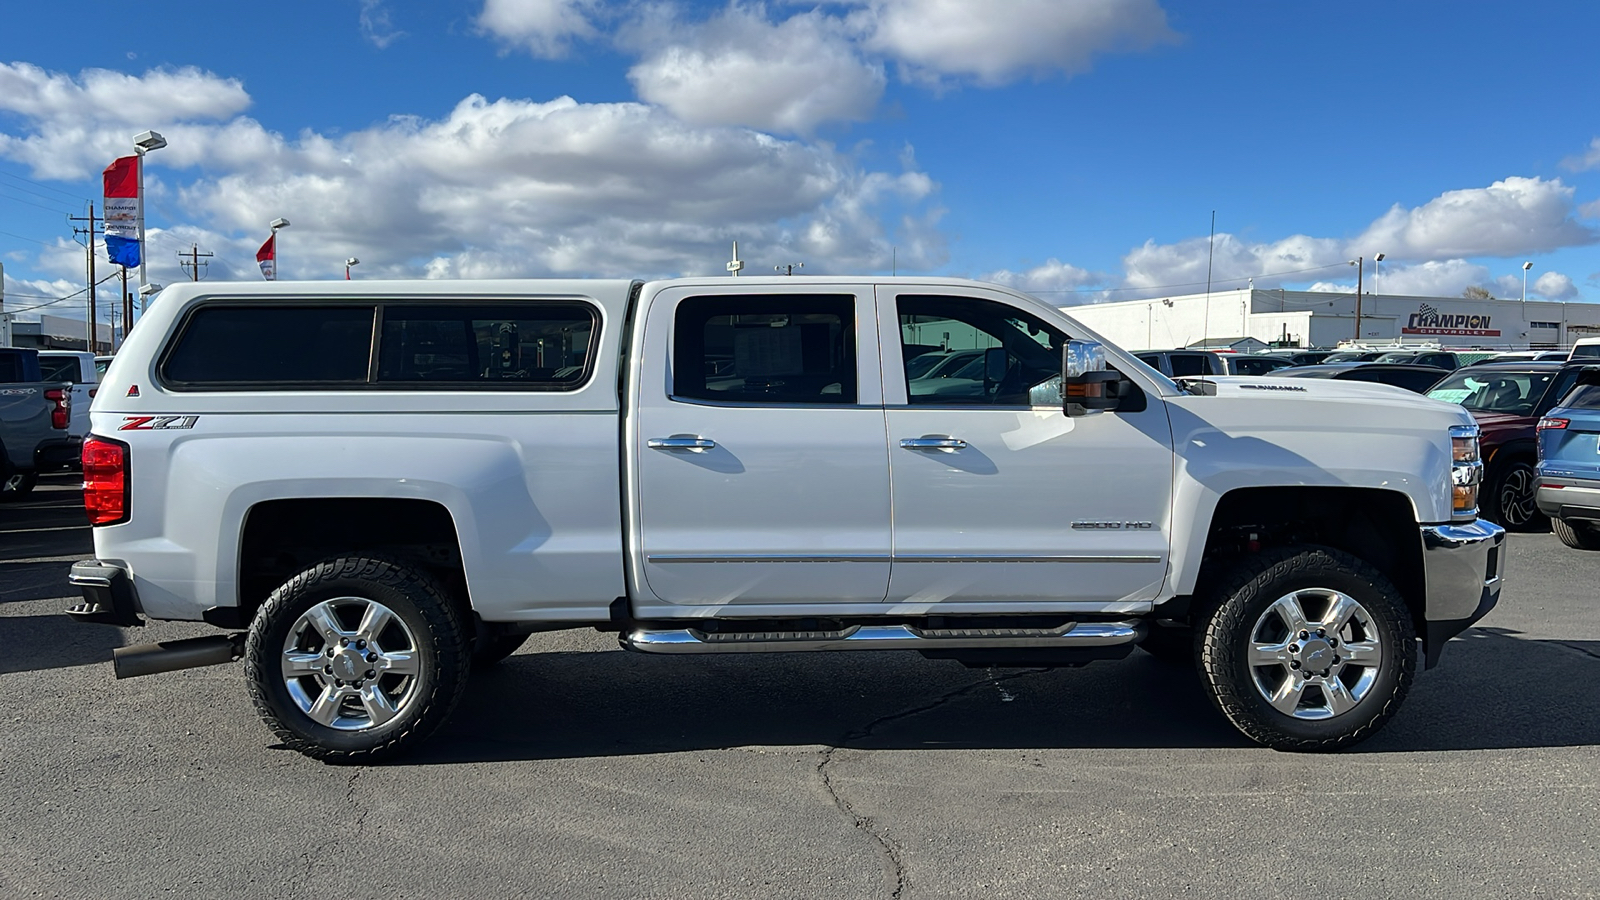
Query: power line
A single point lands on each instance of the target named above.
(54, 209)
(1158, 287)
(45, 186)
(83, 290)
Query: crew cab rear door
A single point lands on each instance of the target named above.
(1002, 502)
(760, 474)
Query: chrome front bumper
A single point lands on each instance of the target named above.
(1463, 565)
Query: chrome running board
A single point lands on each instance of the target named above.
(883, 637)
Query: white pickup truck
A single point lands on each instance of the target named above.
(376, 486)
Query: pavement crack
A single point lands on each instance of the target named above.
(350, 800)
(894, 863)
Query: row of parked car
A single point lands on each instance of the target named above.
(1539, 412)
(44, 413)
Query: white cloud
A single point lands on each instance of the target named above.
(376, 26)
(1053, 278)
(79, 125)
(1590, 210)
(1513, 217)
(970, 38)
(1182, 267)
(545, 28)
(1434, 278)
(1554, 286)
(741, 69)
(1585, 161)
(511, 187)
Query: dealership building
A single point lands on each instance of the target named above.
(1249, 318)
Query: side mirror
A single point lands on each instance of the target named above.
(995, 363)
(1084, 379)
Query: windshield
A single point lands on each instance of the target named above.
(59, 368)
(1513, 393)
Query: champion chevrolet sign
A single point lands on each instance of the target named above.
(1427, 320)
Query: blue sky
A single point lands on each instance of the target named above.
(1075, 148)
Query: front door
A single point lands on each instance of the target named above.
(1000, 498)
(762, 475)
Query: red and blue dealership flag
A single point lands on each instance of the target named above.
(123, 211)
(267, 258)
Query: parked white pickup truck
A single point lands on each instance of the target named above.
(386, 483)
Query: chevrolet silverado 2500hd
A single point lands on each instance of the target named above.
(375, 486)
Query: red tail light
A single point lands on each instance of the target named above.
(61, 413)
(1548, 422)
(105, 480)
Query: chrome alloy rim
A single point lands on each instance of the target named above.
(1314, 653)
(350, 663)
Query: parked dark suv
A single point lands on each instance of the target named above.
(1508, 399)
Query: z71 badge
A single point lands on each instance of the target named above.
(157, 423)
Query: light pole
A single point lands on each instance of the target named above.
(1525, 267)
(1360, 263)
(143, 143)
(1375, 260)
(352, 261)
(277, 248)
(789, 268)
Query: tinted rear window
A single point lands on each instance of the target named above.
(236, 345)
(532, 345)
(59, 368)
(1584, 396)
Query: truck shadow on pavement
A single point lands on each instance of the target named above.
(1491, 691)
(34, 643)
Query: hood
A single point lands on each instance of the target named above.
(1317, 388)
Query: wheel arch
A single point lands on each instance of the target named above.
(282, 537)
(1372, 524)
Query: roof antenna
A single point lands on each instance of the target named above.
(735, 264)
(1210, 246)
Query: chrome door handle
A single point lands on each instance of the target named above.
(697, 444)
(933, 443)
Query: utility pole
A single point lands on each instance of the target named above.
(789, 268)
(194, 263)
(91, 336)
(127, 306)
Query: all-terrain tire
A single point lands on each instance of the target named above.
(1578, 536)
(429, 620)
(1230, 620)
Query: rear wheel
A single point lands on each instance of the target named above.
(1307, 648)
(1512, 499)
(356, 659)
(1577, 535)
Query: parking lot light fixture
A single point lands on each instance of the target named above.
(1525, 267)
(352, 261)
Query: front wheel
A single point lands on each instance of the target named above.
(356, 659)
(1307, 648)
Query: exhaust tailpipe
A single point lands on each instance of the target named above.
(170, 656)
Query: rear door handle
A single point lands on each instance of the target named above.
(695, 442)
(932, 442)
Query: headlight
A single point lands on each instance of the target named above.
(1466, 472)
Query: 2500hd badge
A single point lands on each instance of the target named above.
(1115, 526)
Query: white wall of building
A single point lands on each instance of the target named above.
(1323, 319)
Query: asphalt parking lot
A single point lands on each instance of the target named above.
(578, 770)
